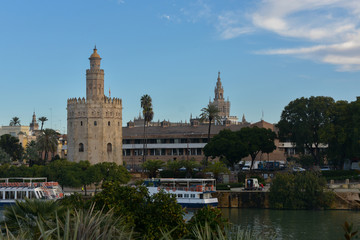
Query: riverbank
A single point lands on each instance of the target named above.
(348, 199)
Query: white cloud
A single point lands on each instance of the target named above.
(164, 16)
(331, 25)
(231, 25)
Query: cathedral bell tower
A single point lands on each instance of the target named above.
(95, 78)
(219, 91)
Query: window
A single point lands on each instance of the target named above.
(109, 147)
(180, 195)
(95, 123)
(81, 123)
(192, 195)
(108, 123)
(81, 147)
(186, 195)
(119, 124)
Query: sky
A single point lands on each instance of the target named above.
(269, 52)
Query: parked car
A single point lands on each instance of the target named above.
(325, 168)
(298, 169)
(246, 168)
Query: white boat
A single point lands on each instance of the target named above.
(18, 189)
(190, 193)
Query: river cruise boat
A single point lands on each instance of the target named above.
(17, 189)
(190, 193)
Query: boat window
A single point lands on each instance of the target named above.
(192, 195)
(7, 195)
(12, 194)
(186, 195)
(32, 195)
(1, 194)
(180, 195)
(201, 196)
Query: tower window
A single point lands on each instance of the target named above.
(81, 147)
(81, 123)
(95, 123)
(109, 147)
(118, 123)
(108, 123)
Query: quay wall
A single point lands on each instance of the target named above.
(256, 199)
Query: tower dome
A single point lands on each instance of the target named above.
(95, 54)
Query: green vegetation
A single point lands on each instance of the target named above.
(148, 114)
(70, 174)
(15, 121)
(11, 146)
(42, 120)
(152, 166)
(299, 191)
(340, 175)
(217, 168)
(311, 123)
(231, 146)
(148, 215)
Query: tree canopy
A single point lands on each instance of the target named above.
(231, 146)
(304, 122)
(15, 121)
(11, 146)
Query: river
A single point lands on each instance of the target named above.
(293, 224)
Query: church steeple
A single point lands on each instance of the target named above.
(219, 91)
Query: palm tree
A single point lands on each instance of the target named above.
(42, 120)
(148, 114)
(47, 142)
(23, 215)
(210, 113)
(15, 121)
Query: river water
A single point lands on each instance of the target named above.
(293, 224)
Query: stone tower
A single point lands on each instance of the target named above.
(219, 101)
(94, 124)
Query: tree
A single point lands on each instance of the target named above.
(32, 153)
(216, 168)
(47, 142)
(299, 191)
(257, 140)
(152, 166)
(42, 120)
(11, 146)
(189, 166)
(4, 157)
(148, 114)
(210, 113)
(227, 146)
(304, 122)
(15, 121)
(149, 215)
(23, 215)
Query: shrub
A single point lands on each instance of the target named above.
(299, 191)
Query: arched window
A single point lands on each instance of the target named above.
(108, 123)
(81, 147)
(95, 123)
(109, 147)
(81, 123)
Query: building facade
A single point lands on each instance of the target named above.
(94, 124)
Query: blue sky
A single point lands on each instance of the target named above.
(269, 52)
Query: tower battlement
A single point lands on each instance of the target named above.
(106, 100)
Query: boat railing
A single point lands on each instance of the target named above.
(198, 188)
(28, 184)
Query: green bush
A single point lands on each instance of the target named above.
(228, 186)
(340, 174)
(299, 191)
